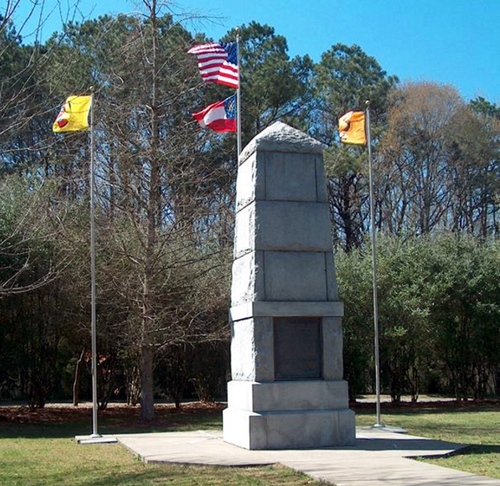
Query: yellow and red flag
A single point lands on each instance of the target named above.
(352, 128)
(74, 114)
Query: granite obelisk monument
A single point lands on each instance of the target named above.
(287, 388)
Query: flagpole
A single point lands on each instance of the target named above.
(238, 98)
(95, 437)
(95, 432)
(374, 266)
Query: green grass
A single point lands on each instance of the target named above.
(477, 425)
(37, 462)
(43, 452)
(39, 449)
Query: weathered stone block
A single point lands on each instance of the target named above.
(292, 226)
(333, 367)
(290, 177)
(286, 309)
(288, 395)
(322, 195)
(331, 279)
(237, 426)
(250, 182)
(248, 278)
(252, 349)
(295, 276)
(277, 225)
(289, 429)
(245, 231)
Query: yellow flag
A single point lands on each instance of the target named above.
(74, 115)
(352, 128)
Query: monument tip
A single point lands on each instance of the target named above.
(280, 137)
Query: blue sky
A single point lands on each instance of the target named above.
(447, 41)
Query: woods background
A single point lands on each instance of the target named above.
(165, 214)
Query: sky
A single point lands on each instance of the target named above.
(453, 42)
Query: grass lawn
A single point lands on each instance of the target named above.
(477, 425)
(38, 448)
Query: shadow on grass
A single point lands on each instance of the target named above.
(478, 450)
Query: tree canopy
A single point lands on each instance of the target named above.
(165, 197)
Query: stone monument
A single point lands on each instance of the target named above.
(287, 389)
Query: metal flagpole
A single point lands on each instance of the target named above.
(95, 437)
(92, 272)
(238, 98)
(374, 266)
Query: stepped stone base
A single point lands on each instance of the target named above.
(288, 415)
(289, 430)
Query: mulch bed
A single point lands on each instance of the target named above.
(167, 416)
(115, 414)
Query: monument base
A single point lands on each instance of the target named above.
(289, 430)
(288, 415)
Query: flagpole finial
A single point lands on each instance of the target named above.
(367, 103)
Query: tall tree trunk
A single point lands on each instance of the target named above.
(147, 399)
(153, 211)
(76, 383)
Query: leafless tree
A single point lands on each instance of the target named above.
(415, 164)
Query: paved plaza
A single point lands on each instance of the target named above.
(379, 457)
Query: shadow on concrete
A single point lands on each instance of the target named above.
(415, 444)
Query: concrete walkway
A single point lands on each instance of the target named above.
(380, 457)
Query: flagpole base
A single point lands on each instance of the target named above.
(95, 439)
(385, 428)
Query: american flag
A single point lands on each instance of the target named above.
(218, 63)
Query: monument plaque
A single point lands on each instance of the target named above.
(297, 348)
(287, 389)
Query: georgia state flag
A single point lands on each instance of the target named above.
(220, 116)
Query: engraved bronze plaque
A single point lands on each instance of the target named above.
(297, 348)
